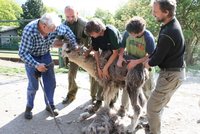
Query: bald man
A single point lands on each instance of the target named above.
(77, 25)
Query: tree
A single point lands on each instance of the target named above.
(9, 10)
(105, 16)
(188, 13)
(32, 9)
(136, 8)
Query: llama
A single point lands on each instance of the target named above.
(131, 80)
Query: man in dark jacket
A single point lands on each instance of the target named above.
(77, 25)
(169, 57)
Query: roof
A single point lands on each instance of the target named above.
(7, 28)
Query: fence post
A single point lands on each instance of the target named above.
(60, 58)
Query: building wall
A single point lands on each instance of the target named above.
(6, 37)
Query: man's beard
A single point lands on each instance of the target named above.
(72, 21)
(160, 20)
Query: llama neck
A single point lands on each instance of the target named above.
(88, 64)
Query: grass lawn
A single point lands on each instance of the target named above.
(14, 54)
(20, 70)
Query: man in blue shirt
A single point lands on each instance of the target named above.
(37, 38)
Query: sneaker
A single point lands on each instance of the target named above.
(28, 114)
(54, 110)
(67, 100)
(121, 111)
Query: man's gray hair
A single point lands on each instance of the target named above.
(50, 19)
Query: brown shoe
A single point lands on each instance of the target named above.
(67, 100)
(121, 111)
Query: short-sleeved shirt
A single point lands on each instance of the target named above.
(34, 44)
(138, 47)
(109, 41)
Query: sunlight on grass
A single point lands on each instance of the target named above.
(14, 54)
(11, 70)
(15, 70)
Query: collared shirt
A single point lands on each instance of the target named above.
(34, 44)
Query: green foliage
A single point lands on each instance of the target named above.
(188, 13)
(32, 9)
(9, 10)
(105, 16)
(50, 9)
(136, 8)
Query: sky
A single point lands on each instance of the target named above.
(87, 6)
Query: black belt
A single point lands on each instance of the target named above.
(172, 69)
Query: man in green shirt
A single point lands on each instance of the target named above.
(77, 25)
(137, 42)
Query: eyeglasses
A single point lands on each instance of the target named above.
(49, 29)
(138, 35)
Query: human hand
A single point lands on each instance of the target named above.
(58, 43)
(146, 64)
(132, 64)
(106, 73)
(120, 61)
(100, 73)
(41, 67)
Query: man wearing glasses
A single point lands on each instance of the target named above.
(37, 38)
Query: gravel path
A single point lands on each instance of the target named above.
(180, 115)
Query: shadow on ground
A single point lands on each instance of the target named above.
(42, 123)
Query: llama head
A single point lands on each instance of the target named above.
(67, 47)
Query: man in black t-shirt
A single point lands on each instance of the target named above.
(103, 38)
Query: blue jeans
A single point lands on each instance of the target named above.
(48, 78)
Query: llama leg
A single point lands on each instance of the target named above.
(142, 98)
(106, 96)
(134, 97)
(110, 93)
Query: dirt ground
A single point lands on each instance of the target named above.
(180, 116)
